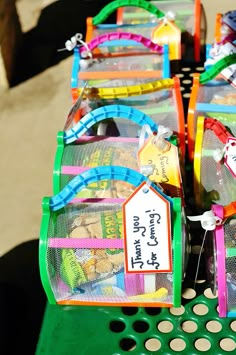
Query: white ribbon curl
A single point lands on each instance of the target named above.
(208, 220)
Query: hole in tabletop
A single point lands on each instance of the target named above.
(188, 293)
(140, 326)
(214, 326)
(129, 311)
(202, 344)
(227, 344)
(177, 344)
(153, 344)
(117, 326)
(128, 344)
(200, 309)
(153, 311)
(189, 326)
(165, 326)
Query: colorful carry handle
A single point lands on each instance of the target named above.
(217, 68)
(106, 112)
(218, 128)
(92, 175)
(126, 91)
(127, 36)
(114, 5)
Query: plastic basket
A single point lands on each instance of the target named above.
(224, 235)
(188, 17)
(120, 65)
(157, 29)
(160, 100)
(70, 265)
(78, 151)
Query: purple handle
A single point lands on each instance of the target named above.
(220, 252)
(112, 36)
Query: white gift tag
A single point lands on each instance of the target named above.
(147, 231)
(230, 155)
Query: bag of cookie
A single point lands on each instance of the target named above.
(122, 252)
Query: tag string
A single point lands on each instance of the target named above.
(75, 41)
(160, 139)
(199, 258)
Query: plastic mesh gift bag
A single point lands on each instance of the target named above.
(224, 252)
(118, 65)
(163, 28)
(112, 253)
(213, 95)
(188, 17)
(214, 175)
(220, 251)
(155, 153)
(161, 100)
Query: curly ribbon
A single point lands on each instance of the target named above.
(208, 220)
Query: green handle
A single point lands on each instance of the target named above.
(217, 68)
(114, 5)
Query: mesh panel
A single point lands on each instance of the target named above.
(99, 153)
(160, 106)
(217, 95)
(114, 83)
(81, 268)
(183, 21)
(223, 94)
(217, 182)
(146, 61)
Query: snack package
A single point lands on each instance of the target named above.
(161, 100)
(155, 153)
(214, 171)
(127, 252)
(118, 65)
(213, 95)
(162, 28)
(187, 16)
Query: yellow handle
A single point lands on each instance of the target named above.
(161, 293)
(126, 91)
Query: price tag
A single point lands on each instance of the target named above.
(230, 155)
(168, 33)
(147, 231)
(166, 167)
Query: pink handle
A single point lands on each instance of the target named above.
(220, 253)
(112, 36)
(86, 243)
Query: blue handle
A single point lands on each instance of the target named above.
(105, 112)
(90, 176)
